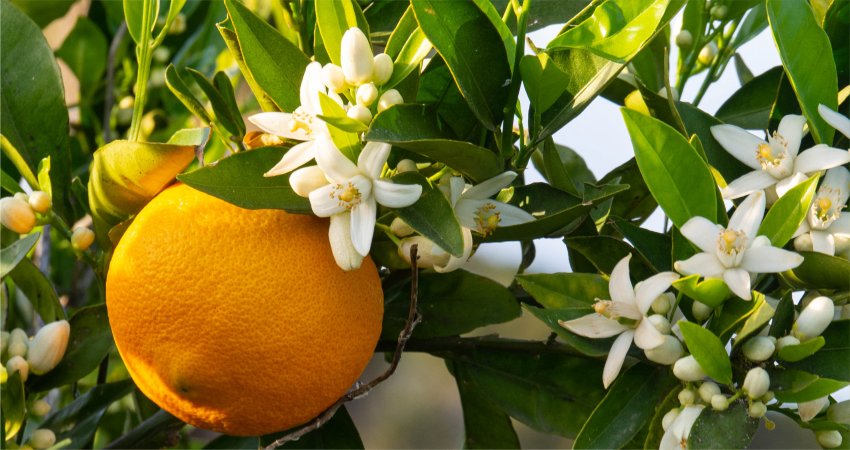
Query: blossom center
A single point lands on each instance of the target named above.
(773, 156)
(487, 218)
(824, 211)
(301, 120)
(608, 309)
(347, 195)
(730, 247)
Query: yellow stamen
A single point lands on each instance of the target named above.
(487, 219)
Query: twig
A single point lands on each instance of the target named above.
(413, 318)
(110, 80)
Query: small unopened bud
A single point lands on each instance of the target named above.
(18, 364)
(708, 390)
(756, 383)
(688, 369)
(48, 347)
(701, 311)
(707, 54)
(766, 398)
(40, 408)
(426, 257)
(668, 418)
(759, 348)
(757, 410)
(389, 98)
(42, 438)
(719, 12)
(400, 228)
(687, 397)
(828, 438)
(360, 113)
(333, 77)
(660, 323)
(719, 402)
(684, 39)
(383, 68)
(666, 353)
(22, 197)
(663, 302)
(786, 341)
(406, 165)
(807, 410)
(367, 94)
(839, 412)
(18, 343)
(16, 214)
(178, 26)
(40, 202)
(814, 319)
(356, 57)
(126, 102)
(82, 238)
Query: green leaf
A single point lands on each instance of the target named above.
(44, 11)
(409, 57)
(754, 23)
(822, 271)
(239, 180)
(85, 52)
(9, 184)
(225, 89)
(709, 352)
(403, 29)
(38, 289)
(450, 303)
(195, 137)
(16, 252)
(655, 431)
(469, 43)
(231, 40)
(89, 343)
(627, 407)
(798, 386)
(794, 353)
(749, 107)
(275, 64)
(13, 402)
(417, 128)
(563, 167)
(552, 317)
(807, 57)
(346, 141)
(485, 424)
(676, 175)
(543, 80)
(78, 420)
(760, 316)
(831, 360)
(604, 252)
(835, 23)
(655, 247)
(736, 314)
(338, 433)
(564, 290)
(221, 108)
(786, 215)
(732, 428)
(334, 18)
(140, 22)
(432, 215)
(175, 82)
(783, 319)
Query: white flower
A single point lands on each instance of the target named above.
(676, 435)
(776, 162)
(623, 315)
(836, 120)
(826, 225)
(735, 253)
(356, 57)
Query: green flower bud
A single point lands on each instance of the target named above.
(828, 438)
(814, 319)
(688, 369)
(18, 364)
(719, 12)
(687, 397)
(757, 410)
(756, 383)
(40, 408)
(666, 353)
(684, 39)
(48, 347)
(383, 68)
(719, 402)
(663, 302)
(707, 54)
(389, 98)
(708, 390)
(759, 348)
(356, 57)
(40, 202)
(701, 311)
(18, 343)
(406, 165)
(16, 214)
(42, 438)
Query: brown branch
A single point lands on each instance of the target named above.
(413, 318)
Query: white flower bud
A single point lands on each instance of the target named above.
(719, 402)
(161, 55)
(16, 214)
(389, 98)
(40, 202)
(127, 102)
(333, 77)
(42, 438)
(366, 94)
(82, 238)
(668, 418)
(428, 254)
(756, 383)
(356, 57)
(406, 165)
(688, 369)
(786, 341)
(22, 197)
(708, 390)
(839, 412)
(360, 113)
(707, 54)
(759, 348)
(48, 347)
(307, 179)
(400, 228)
(383, 68)
(828, 438)
(757, 410)
(684, 39)
(666, 353)
(660, 323)
(807, 410)
(766, 398)
(719, 12)
(18, 343)
(814, 319)
(18, 364)
(40, 408)
(701, 311)
(663, 302)
(803, 243)
(687, 397)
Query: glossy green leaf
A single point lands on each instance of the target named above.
(563, 167)
(140, 16)
(485, 424)
(437, 88)
(708, 350)
(831, 360)
(798, 386)
(786, 215)
(44, 11)
(13, 402)
(275, 64)
(676, 175)
(732, 428)
(627, 407)
(402, 31)
(807, 57)
(754, 23)
(655, 247)
(38, 289)
(749, 107)
(544, 82)
(239, 180)
(177, 84)
(468, 42)
(415, 49)
(85, 52)
(552, 317)
(347, 142)
(225, 89)
(432, 215)
(736, 314)
(794, 353)
(231, 40)
(221, 109)
(334, 18)
(564, 290)
(604, 252)
(16, 252)
(822, 271)
(78, 420)
(195, 137)
(339, 432)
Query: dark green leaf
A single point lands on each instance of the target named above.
(43, 12)
(798, 386)
(732, 428)
(604, 252)
(338, 433)
(543, 80)
(38, 289)
(835, 23)
(225, 88)
(231, 40)
(334, 18)
(636, 203)
(85, 52)
(831, 360)
(13, 401)
(175, 82)
(754, 23)
(783, 319)
(220, 107)
(708, 350)
(794, 353)
(745, 75)
(432, 215)
(9, 183)
(563, 168)
(736, 314)
(16, 252)
(655, 247)
(761, 316)
(786, 215)
(655, 431)
(822, 271)
(485, 424)
(749, 107)
(79, 419)
(438, 88)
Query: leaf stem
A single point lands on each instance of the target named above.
(513, 95)
(143, 58)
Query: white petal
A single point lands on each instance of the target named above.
(616, 356)
(335, 165)
(748, 183)
(739, 143)
(296, 157)
(511, 215)
(769, 259)
(277, 123)
(306, 180)
(466, 210)
(363, 225)
(594, 326)
(396, 195)
(791, 128)
(455, 262)
(311, 84)
(823, 242)
(702, 232)
(760, 241)
(323, 203)
(786, 184)
(749, 214)
(705, 264)
(339, 234)
(373, 157)
(837, 178)
(838, 121)
(803, 228)
(841, 226)
(738, 281)
(820, 157)
(456, 187)
(491, 187)
(647, 336)
(685, 421)
(648, 290)
(620, 285)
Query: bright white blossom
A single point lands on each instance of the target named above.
(826, 226)
(676, 435)
(735, 253)
(624, 315)
(836, 120)
(776, 162)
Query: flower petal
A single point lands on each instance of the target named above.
(648, 290)
(739, 143)
(769, 259)
(705, 264)
(277, 123)
(363, 225)
(466, 210)
(620, 285)
(339, 234)
(616, 356)
(748, 183)
(749, 214)
(837, 179)
(786, 184)
(336, 166)
(702, 232)
(395, 195)
(373, 157)
(323, 202)
(594, 326)
(306, 180)
(820, 157)
(647, 336)
(311, 84)
(823, 242)
(511, 215)
(455, 189)
(838, 121)
(491, 187)
(738, 281)
(791, 128)
(841, 226)
(296, 157)
(455, 262)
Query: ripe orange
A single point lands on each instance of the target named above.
(235, 320)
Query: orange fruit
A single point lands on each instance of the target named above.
(235, 320)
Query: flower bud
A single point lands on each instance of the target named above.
(360, 113)
(660, 323)
(757, 410)
(687, 397)
(814, 319)
(719, 402)
(707, 54)
(161, 55)
(42, 438)
(82, 238)
(367, 94)
(257, 139)
(40, 202)
(16, 214)
(18, 364)
(389, 98)
(766, 398)
(40, 408)
(786, 341)
(383, 68)
(668, 418)
(701, 311)
(688, 369)
(828, 438)
(719, 12)
(356, 57)
(807, 410)
(666, 353)
(48, 346)
(759, 348)
(18, 343)
(756, 383)
(400, 228)
(406, 165)
(428, 254)
(663, 302)
(839, 412)
(333, 77)
(22, 197)
(708, 390)
(684, 39)
(178, 26)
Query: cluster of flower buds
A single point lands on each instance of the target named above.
(39, 355)
(19, 212)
